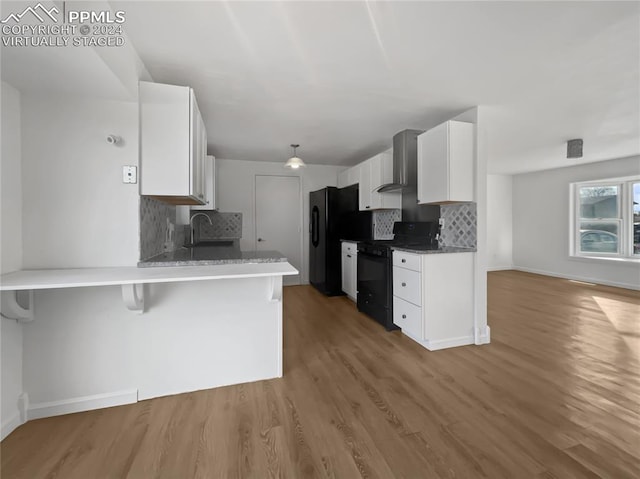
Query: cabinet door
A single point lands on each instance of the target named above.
(354, 275)
(214, 183)
(375, 175)
(364, 189)
(210, 185)
(445, 163)
(461, 145)
(165, 137)
(349, 265)
(350, 276)
(197, 153)
(345, 272)
(408, 317)
(433, 175)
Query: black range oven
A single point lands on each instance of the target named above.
(375, 268)
(375, 283)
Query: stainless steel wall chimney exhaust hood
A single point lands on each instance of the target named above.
(405, 155)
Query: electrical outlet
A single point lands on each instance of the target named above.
(129, 174)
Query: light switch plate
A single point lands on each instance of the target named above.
(129, 174)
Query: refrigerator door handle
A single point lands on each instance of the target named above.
(315, 219)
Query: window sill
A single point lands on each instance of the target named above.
(607, 259)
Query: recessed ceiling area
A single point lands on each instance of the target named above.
(341, 78)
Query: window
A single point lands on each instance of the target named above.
(606, 218)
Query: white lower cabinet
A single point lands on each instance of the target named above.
(433, 298)
(407, 285)
(350, 269)
(408, 317)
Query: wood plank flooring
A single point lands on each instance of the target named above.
(555, 395)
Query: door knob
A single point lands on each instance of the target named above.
(404, 284)
(260, 239)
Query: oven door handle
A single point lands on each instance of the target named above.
(370, 257)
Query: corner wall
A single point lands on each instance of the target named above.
(11, 340)
(499, 222)
(236, 180)
(77, 213)
(541, 224)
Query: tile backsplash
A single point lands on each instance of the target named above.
(460, 225)
(154, 226)
(383, 223)
(157, 217)
(223, 225)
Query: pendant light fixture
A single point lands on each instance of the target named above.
(294, 162)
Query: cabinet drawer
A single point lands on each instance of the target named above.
(406, 260)
(406, 285)
(348, 247)
(409, 317)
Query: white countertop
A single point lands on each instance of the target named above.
(84, 277)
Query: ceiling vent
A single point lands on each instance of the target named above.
(574, 148)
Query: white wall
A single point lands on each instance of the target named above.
(76, 210)
(236, 185)
(499, 222)
(11, 182)
(541, 224)
(10, 255)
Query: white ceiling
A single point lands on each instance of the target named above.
(341, 78)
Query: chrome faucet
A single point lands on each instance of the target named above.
(191, 223)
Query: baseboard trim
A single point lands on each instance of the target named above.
(585, 279)
(448, 343)
(500, 268)
(484, 336)
(82, 403)
(10, 425)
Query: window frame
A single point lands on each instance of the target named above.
(624, 220)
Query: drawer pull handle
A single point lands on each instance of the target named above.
(404, 316)
(404, 260)
(404, 284)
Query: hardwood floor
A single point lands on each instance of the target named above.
(555, 395)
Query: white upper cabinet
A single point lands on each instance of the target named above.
(369, 176)
(445, 163)
(173, 144)
(364, 186)
(381, 171)
(211, 187)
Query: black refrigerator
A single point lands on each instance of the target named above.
(331, 216)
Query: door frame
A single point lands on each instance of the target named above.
(303, 266)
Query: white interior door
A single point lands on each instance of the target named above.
(279, 219)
